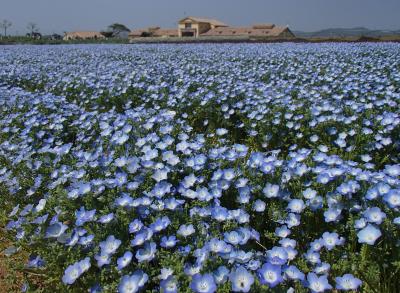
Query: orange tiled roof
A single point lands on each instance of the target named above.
(205, 20)
(258, 31)
(155, 31)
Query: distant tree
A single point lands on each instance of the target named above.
(117, 29)
(5, 24)
(32, 28)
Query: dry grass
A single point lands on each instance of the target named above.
(13, 274)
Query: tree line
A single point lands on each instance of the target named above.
(115, 30)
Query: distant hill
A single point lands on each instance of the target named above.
(346, 32)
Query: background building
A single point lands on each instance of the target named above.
(195, 26)
(153, 32)
(259, 30)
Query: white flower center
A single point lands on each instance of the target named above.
(203, 285)
(271, 276)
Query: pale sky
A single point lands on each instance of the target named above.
(57, 16)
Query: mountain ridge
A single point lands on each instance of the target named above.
(346, 32)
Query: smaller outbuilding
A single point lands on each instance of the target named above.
(84, 35)
(258, 30)
(34, 35)
(153, 32)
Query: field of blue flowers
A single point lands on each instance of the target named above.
(203, 168)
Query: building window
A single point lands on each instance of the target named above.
(188, 25)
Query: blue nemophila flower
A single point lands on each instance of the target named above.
(102, 259)
(75, 270)
(172, 203)
(165, 273)
(84, 188)
(147, 253)
(35, 261)
(85, 240)
(369, 234)
(169, 285)
(110, 245)
(124, 200)
(255, 160)
(160, 224)
(330, 240)
(201, 255)
(253, 265)
(168, 241)
(291, 253)
(191, 269)
(14, 211)
(322, 268)
(189, 181)
(292, 220)
(270, 275)
(106, 218)
(160, 189)
(312, 257)
(271, 190)
(55, 230)
(185, 230)
(296, 206)
(293, 273)
(160, 174)
(360, 223)
(215, 245)
(232, 237)
(318, 284)
(323, 178)
(133, 283)
(120, 179)
(83, 216)
(259, 206)
(277, 255)
(203, 283)
(241, 280)
(135, 226)
(85, 264)
(282, 231)
(221, 131)
(332, 215)
(382, 188)
(392, 170)
(374, 215)
(221, 275)
(347, 282)
(287, 242)
(142, 236)
(203, 194)
(71, 274)
(40, 206)
(124, 260)
(219, 213)
(309, 193)
(316, 203)
(392, 198)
